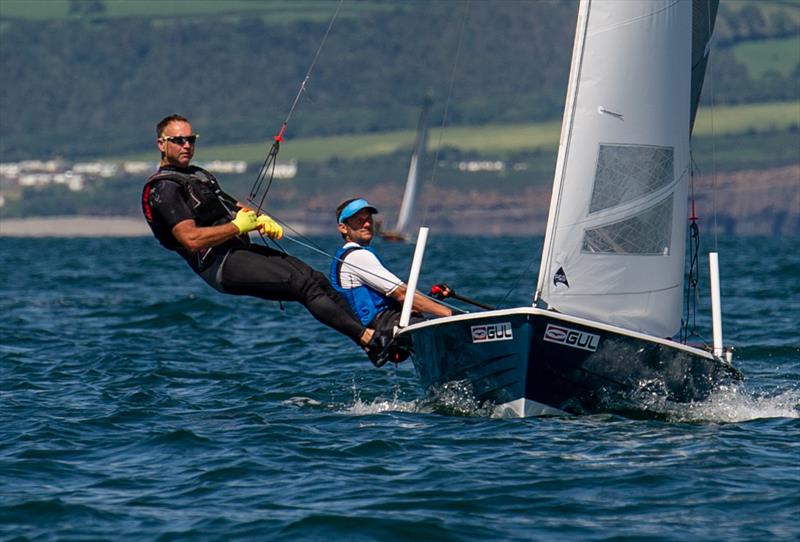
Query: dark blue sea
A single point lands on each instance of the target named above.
(136, 403)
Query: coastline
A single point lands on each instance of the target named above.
(92, 226)
(739, 203)
(74, 226)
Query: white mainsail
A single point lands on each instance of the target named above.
(409, 203)
(614, 245)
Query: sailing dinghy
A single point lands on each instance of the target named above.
(610, 287)
(408, 207)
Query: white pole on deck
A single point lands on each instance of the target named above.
(716, 312)
(413, 276)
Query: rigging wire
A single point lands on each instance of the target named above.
(267, 170)
(447, 103)
(516, 283)
(692, 295)
(266, 173)
(305, 242)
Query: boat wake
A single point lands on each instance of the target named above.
(730, 404)
(450, 399)
(726, 404)
(456, 398)
(378, 405)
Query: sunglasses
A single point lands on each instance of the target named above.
(358, 221)
(180, 140)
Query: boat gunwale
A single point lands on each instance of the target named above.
(533, 311)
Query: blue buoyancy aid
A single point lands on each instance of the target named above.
(365, 302)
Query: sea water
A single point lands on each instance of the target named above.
(136, 403)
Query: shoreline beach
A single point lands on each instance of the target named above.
(74, 226)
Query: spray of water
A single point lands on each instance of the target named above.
(378, 405)
(731, 404)
(727, 404)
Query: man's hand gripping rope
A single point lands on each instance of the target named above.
(247, 220)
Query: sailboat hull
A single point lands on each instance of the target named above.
(530, 362)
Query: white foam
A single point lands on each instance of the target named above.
(301, 401)
(380, 404)
(737, 404)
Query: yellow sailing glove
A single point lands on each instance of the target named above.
(269, 227)
(245, 220)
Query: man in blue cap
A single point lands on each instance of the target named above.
(357, 272)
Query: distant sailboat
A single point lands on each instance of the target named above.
(408, 207)
(610, 286)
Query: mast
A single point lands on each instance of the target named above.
(563, 145)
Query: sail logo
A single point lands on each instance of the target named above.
(492, 332)
(560, 278)
(571, 337)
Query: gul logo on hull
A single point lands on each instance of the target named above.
(571, 337)
(492, 332)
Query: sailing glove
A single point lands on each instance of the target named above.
(269, 227)
(245, 221)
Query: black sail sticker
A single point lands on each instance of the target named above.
(560, 278)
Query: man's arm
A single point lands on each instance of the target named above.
(366, 266)
(167, 199)
(421, 303)
(195, 237)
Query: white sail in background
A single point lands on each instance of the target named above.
(614, 245)
(409, 195)
(409, 203)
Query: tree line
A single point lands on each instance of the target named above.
(87, 86)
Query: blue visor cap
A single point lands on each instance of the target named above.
(355, 206)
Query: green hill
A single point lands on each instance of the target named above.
(90, 78)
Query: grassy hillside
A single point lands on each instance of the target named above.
(781, 55)
(497, 141)
(271, 11)
(89, 77)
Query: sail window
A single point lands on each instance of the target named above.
(627, 172)
(648, 232)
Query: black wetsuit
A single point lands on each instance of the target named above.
(236, 266)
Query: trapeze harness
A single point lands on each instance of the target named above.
(210, 206)
(365, 302)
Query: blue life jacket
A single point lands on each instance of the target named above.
(365, 302)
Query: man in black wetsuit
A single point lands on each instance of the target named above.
(190, 214)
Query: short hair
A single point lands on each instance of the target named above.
(163, 123)
(342, 205)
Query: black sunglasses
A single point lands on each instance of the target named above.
(180, 140)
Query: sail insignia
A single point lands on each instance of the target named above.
(560, 277)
